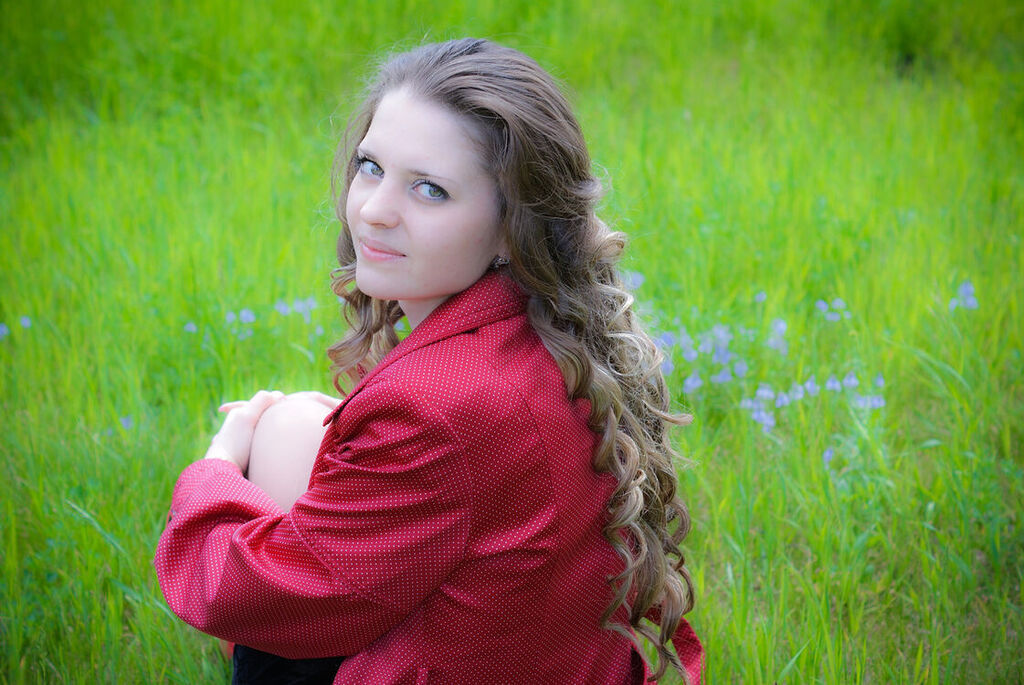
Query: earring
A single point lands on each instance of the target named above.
(499, 261)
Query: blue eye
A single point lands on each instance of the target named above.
(431, 191)
(368, 166)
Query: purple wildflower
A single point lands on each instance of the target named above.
(282, 307)
(126, 422)
(832, 316)
(827, 456)
(667, 366)
(966, 294)
(319, 330)
(25, 322)
(761, 296)
(632, 279)
(740, 368)
(822, 305)
(765, 418)
(664, 340)
(4, 331)
(833, 384)
(722, 355)
(777, 339)
(230, 317)
(764, 392)
(722, 376)
(796, 392)
(879, 381)
(781, 400)
(721, 335)
(690, 354)
(692, 382)
(838, 303)
(850, 380)
(811, 386)
(246, 316)
(190, 327)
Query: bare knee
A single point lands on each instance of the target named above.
(284, 447)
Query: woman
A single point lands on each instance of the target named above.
(494, 500)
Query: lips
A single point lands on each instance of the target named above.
(373, 249)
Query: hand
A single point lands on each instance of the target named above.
(233, 441)
(326, 400)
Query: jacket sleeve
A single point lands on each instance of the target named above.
(384, 521)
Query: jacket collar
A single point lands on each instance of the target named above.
(492, 298)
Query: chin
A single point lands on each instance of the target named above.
(375, 287)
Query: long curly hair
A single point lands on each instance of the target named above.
(564, 257)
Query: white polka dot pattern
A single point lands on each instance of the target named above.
(451, 532)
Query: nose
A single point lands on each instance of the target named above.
(380, 205)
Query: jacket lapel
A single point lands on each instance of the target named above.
(492, 298)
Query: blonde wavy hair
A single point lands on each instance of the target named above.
(564, 257)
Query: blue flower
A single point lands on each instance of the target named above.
(692, 382)
(850, 380)
(230, 317)
(827, 456)
(833, 384)
(740, 368)
(822, 305)
(811, 386)
(246, 316)
(965, 297)
(282, 307)
(966, 293)
(833, 316)
(667, 366)
(690, 354)
(764, 392)
(765, 418)
(722, 355)
(4, 331)
(781, 400)
(126, 422)
(879, 381)
(796, 392)
(190, 327)
(777, 340)
(664, 340)
(722, 376)
(632, 279)
(761, 296)
(721, 335)
(25, 322)
(838, 303)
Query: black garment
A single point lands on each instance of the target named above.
(253, 667)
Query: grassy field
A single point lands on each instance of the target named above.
(825, 209)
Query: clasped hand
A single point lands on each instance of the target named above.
(233, 442)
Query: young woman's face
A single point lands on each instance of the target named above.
(422, 210)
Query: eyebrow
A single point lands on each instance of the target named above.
(363, 152)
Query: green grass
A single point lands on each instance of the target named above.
(168, 164)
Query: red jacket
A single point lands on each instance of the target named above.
(451, 532)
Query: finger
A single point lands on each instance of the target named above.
(228, 406)
(259, 403)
